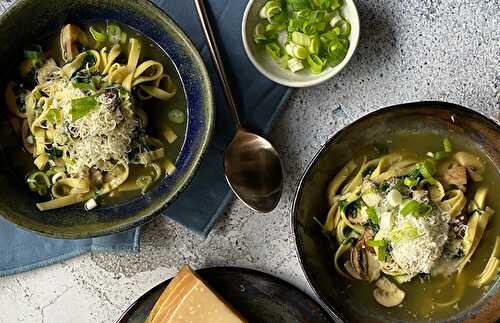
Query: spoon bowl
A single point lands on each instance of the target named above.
(252, 166)
(253, 170)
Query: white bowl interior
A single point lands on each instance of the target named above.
(270, 68)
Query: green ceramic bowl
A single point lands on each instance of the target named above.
(25, 23)
(310, 201)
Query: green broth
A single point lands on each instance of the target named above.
(422, 296)
(156, 110)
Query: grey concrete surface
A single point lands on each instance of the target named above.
(409, 51)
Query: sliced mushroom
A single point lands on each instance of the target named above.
(475, 168)
(27, 138)
(362, 264)
(388, 294)
(70, 36)
(46, 71)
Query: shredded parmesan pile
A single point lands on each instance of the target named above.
(103, 134)
(420, 254)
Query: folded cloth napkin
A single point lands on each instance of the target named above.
(198, 208)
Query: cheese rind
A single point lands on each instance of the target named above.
(188, 299)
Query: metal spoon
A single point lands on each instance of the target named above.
(252, 166)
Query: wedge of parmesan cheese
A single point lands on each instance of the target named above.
(188, 299)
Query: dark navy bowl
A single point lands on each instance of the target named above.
(24, 23)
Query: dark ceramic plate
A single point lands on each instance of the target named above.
(310, 200)
(28, 20)
(257, 296)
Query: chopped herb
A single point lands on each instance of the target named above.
(368, 171)
(374, 227)
(351, 208)
(54, 153)
(384, 186)
(82, 106)
(460, 254)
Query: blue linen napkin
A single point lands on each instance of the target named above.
(204, 201)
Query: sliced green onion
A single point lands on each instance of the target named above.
(410, 182)
(315, 63)
(283, 61)
(407, 232)
(345, 28)
(273, 49)
(336, 4)
(376, 243)
(275, 27)
(382, 252)
(54, 116)
(295, 65)
(422, 210)
(270, 9)
(84, 86)
(298, 4)
(39, 182)
(410, 207)
(441, 155)
(372, 215)
(427, 168)
(314, 46)
(297, 51)
(301, 39)
(176, 116)
(447, 145)
(98, 35)
(335, 20)
(82, 106)
(114, 34)
(260, 33)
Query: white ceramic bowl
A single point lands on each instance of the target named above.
(270, 68)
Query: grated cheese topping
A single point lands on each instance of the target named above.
(103, 134)
(420, 254)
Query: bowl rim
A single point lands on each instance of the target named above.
(321, 78)
(333, 310)
(199, 155)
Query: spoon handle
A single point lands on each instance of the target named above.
(217, 59)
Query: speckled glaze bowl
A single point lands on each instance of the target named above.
(24, 23)
(310, 200)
